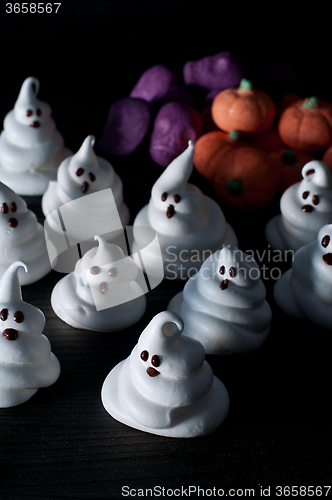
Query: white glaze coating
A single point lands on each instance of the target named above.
(305, 207)
(189, 224)
(21, 238)
(305, 290)
(224, 306)
(95, 174)
(26, 360)
(31, 149)
(171, 393)
(95, 298)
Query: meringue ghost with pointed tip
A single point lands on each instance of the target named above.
(305, 207)
(21, 237)
(82, 174)
(188, 223)
(104, 293)
(305, 290)
(26, 360)
(31, 148)
(224, 305)
(165, 386)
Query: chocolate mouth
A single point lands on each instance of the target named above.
(10, 334)
(170, 211)
(85, 187)
(307, 208)
(35, 124)
(223, 284)
(327, 258)
(152, 372)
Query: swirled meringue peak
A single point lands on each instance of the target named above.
(189, 224)
(305, 290)
(31, 148)
(106, 292)
(79, 176)
(224, 305)
(165, 386)
(305, 207)
(26, 360)
(21, 237)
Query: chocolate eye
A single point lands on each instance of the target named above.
(232, 272)
(222, 270)
(13, 206)
(144, 355)
(92, 177)
(113, 272)
(95, 270)
(4, 208)
(164, 197)
(155, 360)
(79, 172)
(38, 112)
(315, 199)
(177, 198)
(19, 317)
(325, 241)
(305, 195)
(29, 112)
(4, 314)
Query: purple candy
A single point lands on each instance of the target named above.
(219, 71)
(129, 120)
(174, 125)
(155, 82)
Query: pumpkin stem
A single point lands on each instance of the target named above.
(234, 187)
(289, 157)
(311, 102)
(233, 136)
(245, 84)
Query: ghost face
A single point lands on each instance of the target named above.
(33, 113)
(8, 210)
(153, 360)
(85, 178)
(326, 243)
(227, 274)
(18, 318)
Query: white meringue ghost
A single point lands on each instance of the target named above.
(31, 149)
(21, 237)
(305, 290)
(104, 293)
(79, 176)
(26, 360)
(188, 224)
(224, 305)
(165, 386)
(305, 207)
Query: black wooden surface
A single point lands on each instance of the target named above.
(62, 443)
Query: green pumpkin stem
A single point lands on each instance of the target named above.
(311, 102)
(234, 187)
(234, 136)
(245, 84)
(288, 157)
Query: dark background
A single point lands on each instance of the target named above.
(62, 443)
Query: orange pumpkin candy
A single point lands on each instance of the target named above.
(269, 140)
(307, 125)
(290, 164)
(245, 109)
(211, 143)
